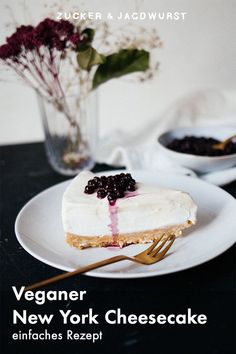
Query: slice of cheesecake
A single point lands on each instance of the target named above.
(115, 210)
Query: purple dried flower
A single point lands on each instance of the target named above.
(5, 51)
(54, 34)
(49, 33)
(64, 27)
(35, 52)
(75, 39)
(44, 33)
(17, 36)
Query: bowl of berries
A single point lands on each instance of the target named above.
(202, 149)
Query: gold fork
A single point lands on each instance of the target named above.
(150, 256)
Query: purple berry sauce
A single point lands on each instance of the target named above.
(112, 187)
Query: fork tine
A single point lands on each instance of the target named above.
(160, 255)
(157, 249)
(149, 249)
(155, 243)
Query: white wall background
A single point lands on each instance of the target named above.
(198, 53)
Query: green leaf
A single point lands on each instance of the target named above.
(87, 38)
(89, 57)
(126, 61)
(88, 33)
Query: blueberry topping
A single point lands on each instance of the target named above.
(109, 183)
(111, 178)
(112, 197)
(131, 187)
(112, 187)
(101, 193)
(202, 146)
(102, 183)
(120, 194)
(116, 187)
(123, 183)
(89, 190)
(93, 183)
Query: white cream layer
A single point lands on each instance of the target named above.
(153, 208)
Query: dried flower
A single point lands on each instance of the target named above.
(34, 54)
(48, 33)
(53, 34)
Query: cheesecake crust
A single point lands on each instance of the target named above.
(122, 240)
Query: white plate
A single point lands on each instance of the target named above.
(39, 230)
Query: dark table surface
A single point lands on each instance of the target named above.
(208, 288)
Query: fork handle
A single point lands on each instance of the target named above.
(77, 271)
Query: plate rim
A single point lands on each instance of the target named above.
(110, 275)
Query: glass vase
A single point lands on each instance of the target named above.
(70, 128)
